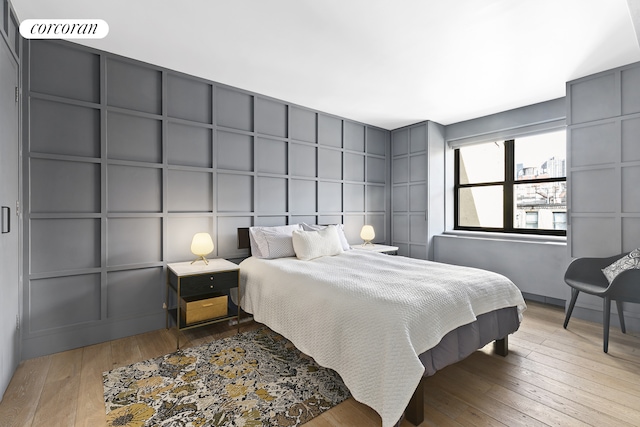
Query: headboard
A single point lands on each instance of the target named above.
(243, 239)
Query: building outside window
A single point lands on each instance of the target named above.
(518, 185)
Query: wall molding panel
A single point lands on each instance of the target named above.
(125, 161)
(417, 188)
(603, 115)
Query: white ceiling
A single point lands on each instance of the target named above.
(387, 63)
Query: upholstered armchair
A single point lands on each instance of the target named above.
(586, 275)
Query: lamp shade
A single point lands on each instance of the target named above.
(367, 233)
(201, 244)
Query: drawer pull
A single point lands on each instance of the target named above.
(207, 305)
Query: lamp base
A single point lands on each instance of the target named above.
(367, 243)
(201, 257)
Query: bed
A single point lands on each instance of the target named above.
(382, 322)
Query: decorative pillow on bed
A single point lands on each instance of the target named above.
(315, 244)
(279, 237)
(339, 229)
(280, 244)
(627, 262)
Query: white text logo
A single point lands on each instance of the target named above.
(64, 28)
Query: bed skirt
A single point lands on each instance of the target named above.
(461, 342)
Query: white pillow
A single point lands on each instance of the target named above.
(314, 244)
(339, 228)
(280, 244)
(258, 240)
(627, 262)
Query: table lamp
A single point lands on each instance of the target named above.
(201, 245)
(367, 234)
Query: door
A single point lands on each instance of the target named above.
(9, 238)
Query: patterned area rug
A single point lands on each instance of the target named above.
(257, 378)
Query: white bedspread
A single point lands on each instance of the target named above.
(368, 316)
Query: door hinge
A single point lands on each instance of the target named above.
(17, 207)
(17, 94)
(17, 322)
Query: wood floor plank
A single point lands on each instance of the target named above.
(443, 401)
(473, 417)
(459, 412)
(435, 418)
(59, 399)
(583, 354)
(474, 393)
(552, 393)
(551, 376)
(619, 399)
(536, 338)
(629, 363)
(125, 351)
(96, 359)
(533, 407)
(18, 407)
(587, 336)
(613, 377)
(348, 413)
(518, 402)
(155, 344)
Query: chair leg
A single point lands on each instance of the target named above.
(605, 323)
(621, 316)
(574, 297)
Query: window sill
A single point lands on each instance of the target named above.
(512, 237)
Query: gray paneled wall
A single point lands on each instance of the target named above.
(10, 28)
(125, 161)
(604, 162)
(10, 197)
(417, 204)
(603, 144)
(409, 193)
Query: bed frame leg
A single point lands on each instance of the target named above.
(501, 347)
(415, 410)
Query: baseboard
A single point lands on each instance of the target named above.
(543, 299)
(101, 332)
(631, 319)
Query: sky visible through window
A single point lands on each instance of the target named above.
(534, 151)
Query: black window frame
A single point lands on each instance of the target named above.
(508, 185)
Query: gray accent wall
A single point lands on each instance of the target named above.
(417, 188)
(535, 264)
(603, 144)
(10, 198)
(125, 161)
(603, 114)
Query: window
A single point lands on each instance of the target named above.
(516, 186)
(560, 220)
(532, 219)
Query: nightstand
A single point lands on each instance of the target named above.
(202, 293)
(390, 250)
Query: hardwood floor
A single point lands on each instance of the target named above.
(552, 377)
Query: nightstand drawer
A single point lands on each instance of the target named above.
(194, 309)
(208, 283)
